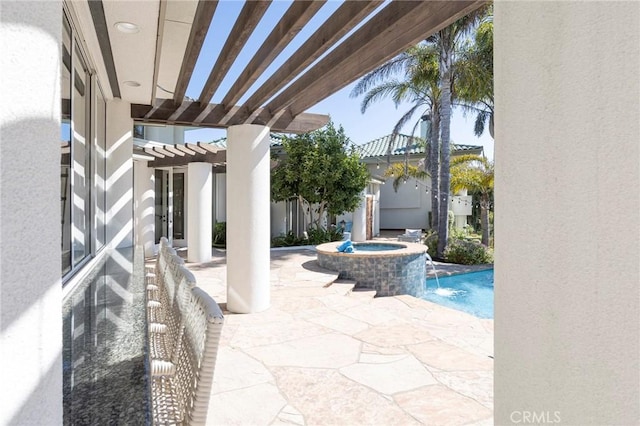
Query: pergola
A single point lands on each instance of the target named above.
(362, 34)
(149, 53)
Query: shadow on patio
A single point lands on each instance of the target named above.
(323, 354)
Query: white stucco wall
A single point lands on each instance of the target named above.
(278, 219)
(144, 206)
(119, 174)
(220, 200)
(567, 253)
(30, 292)
(407, 208)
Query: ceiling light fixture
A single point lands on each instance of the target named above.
(131, 83)
(127, 27)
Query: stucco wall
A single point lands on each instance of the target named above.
(144, 206)
(407, 208)
(567, 255)
(119, 174)
(30, 293)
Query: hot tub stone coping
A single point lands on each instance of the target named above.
(407, 249)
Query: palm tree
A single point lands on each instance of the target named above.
(475, 76)
(449, 42)
(401, 171)
(418, 67)
(475, 173)
(428, 82)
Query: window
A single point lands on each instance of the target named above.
(138, 131)
(65, 151)
(82, 156)
(100, 183)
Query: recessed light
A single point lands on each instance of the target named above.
(131, 83)
(126, 27)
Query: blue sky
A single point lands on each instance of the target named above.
(379, 119)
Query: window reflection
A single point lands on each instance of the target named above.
(65, 148)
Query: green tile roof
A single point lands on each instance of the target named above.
(398, 144)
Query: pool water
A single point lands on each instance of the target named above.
(471, 292)
(377, 246)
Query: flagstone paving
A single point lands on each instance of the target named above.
(326, 355)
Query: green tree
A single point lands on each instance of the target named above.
(475, 76)
(401, 171)
(449, 41)
(429, 81)
(321, 172)
(411, 77)
(475, 173)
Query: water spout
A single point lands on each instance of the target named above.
(445, 292)
(434, 268)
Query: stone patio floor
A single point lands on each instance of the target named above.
(326, 355)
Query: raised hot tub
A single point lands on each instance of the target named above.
(389, 268)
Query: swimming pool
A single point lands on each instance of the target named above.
(471, 292)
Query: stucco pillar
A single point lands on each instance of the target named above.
(376, 210)
(144, 206)
(248, 211)
(199, 212)
(31, 293)
(119, 174)
(359, 228)
(567, 221)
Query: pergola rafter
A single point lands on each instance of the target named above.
(296, 87)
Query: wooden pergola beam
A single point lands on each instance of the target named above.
(294, 19)
(343, 20)
(399, 25)
(213, 115)
(194, 147)
(200, 26)
(174, 150)
(250, 15)
(217, 158)
(156, 63)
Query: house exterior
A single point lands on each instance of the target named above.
(410, 205)
(567, 272)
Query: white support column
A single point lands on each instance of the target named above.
(567, 212)
(144, 206)
(31, 293)
(376, 210)
(119, 179)
(359, 229)
(199, 216)
(248, 211)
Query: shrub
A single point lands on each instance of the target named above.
(467, 252)
(315, 236)
(220, 234)
(287, 240)
(320, 235)
(431, 241)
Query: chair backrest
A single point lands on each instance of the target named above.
(198, 353)
(413, 232)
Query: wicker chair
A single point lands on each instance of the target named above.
(182, 397)
(184, 332)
